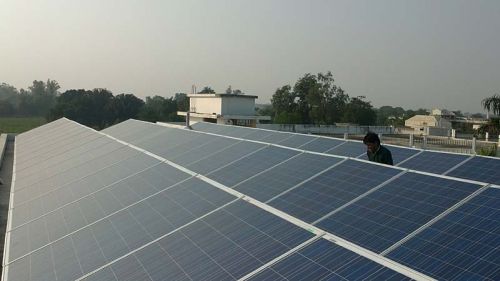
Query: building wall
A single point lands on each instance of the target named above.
(238, 106)
(205, 105)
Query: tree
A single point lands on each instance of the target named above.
(314, 99)
(182, 101)
(359, 112)
(158, 108)
(125, 106)
(90, 108)
(492, 104)
(207, 90)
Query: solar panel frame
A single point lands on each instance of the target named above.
(463, 245)
(387, 215)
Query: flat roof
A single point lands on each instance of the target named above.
(221, 95)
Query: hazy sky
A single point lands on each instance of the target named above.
(402, 53)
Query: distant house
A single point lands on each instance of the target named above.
(429, 125)
(229, 109)
(443, 113)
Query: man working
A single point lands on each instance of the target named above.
(376, 152)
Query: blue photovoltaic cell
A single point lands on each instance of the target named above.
(224, 157)
(257, 135)
(212, 146)
(332, 189)
(387, 215)
(324, 260)
(297, 140)
(225, 245)
(479, 168)
(277, 137)
(349, 149)
(259, 161)
(321, 144)
(464, 245)
(107, 231)
(208, 127)
(434, 162)
(284, 176)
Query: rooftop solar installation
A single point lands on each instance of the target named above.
(286, 175)
(330, 190)
(321, 144)
(390, 213)
(349, 149)
(297, 140)
(323, 260)
(464, 245)
(434, 162)
(141, 201)
(479, 168)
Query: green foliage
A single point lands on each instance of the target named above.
(207, 90)
(36, 101)
(316, 99)
(487, 151)
(492, 104)
(158, 108)
(20, 124)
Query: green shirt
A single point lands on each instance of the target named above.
(382, 155)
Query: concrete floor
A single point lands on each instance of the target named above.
(6, 175)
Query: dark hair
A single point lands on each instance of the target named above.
(371, 138)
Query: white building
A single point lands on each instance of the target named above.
(429, 125)
(443, 113)
(226, 109)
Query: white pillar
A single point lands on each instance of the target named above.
(411, 144)
(453, 133)
(346, 136)
(474, 145)
(487, 136)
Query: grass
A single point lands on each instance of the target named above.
(20, 124)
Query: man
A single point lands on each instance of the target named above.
(376, 152)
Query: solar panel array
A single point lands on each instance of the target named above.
(477, 168)
(141, 201)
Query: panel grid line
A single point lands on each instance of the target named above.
(281, 257)
(156, 240)
(409, 158)
(434, 220)
(270, 168)
(458, 165)
(101, 219)
(86, 196)
(360, 197)
(306, 180)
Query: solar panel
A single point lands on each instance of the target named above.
(332, 189)
(479, 168)
(324, 260)
(257, 135)
(349, 149)
(35, 206)
(434, 162)
(208, 127)
(108, 233)
(236, 172)
(321, 144)
(87, 206)
(220, 158)
(225, 245)
(387, 215)
(463, 245)
(297, 140)
(286, 175)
